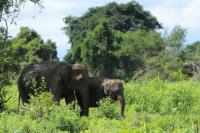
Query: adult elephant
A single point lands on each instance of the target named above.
(61, 79)
(100, 88)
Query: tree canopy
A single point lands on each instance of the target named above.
(98, 37)
(9, 10)
(28, 46)
(120, 17)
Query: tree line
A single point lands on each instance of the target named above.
(122, 41)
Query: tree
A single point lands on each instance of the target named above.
(191, 56)
(47, 51)
(7, 66)
(191, 52)
(97, 50)
(28, 47)
(140, 46)
(9, 10)
(170, 60)
(95, 39)
(176, 38)
(120, 17)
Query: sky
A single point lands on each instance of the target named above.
(48, 22)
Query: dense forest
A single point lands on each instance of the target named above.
(160, 72)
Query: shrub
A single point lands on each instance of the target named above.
(108, 109)
(182, 100)
(152, 106)
(147, 97)
(157, 96)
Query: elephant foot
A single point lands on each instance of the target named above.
(83, 113)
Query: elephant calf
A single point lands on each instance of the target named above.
(100, 88)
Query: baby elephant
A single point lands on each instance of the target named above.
(100, 88)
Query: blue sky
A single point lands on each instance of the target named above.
(48, 22)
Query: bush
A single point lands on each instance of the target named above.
(147, 97)
(41, 115)
(2, 98)
(4, 81)
(181, 100)
(157, 96)
(152, 106)
(108, 109)
(40, 106)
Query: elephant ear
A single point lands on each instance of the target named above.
(105, 87)
(65, 72)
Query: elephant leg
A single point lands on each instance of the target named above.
(56, 90)
(122, 102)
(83, 101)
(70, 98)
(78, 97)
(25, 99)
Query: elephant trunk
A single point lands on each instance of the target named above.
(122, 102)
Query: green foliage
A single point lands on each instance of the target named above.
(191, 53)
(40, 106)
(140, 47)
(120, 17)
(8, 65)
(42, 115)
(96, 46)
(169, 62)
(9, 10)
(176, 38)
(108, 109)
(36, 83)
(153, 106)
(99, 36)
(161, 97)
(28, 47)
(138, 43)
(115, 40)
(47, 51)
(119, 40)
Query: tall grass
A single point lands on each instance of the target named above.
(153, 106)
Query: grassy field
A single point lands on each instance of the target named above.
(154, 106)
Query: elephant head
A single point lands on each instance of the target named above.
(79, 82)
(100, 88)
(79, 76)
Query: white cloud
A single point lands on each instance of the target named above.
(187, 16)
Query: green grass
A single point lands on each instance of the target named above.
(154, 106)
